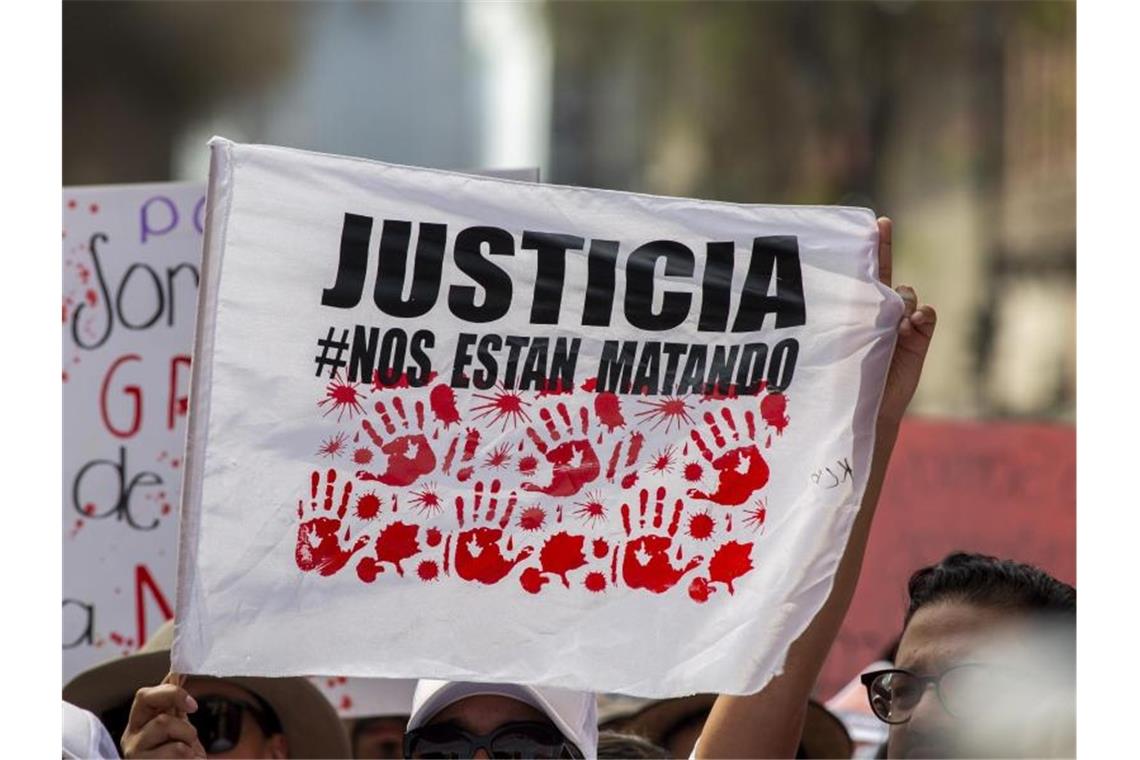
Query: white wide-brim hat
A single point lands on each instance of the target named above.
(575, 713)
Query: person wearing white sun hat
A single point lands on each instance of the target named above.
(467, 719)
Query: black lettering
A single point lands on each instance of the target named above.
(170, 273)
(485, 379)
(750, 371)
(550, 275)
(673, 353)
(647, 378)
(390, 365)
(614, 369)
(428, 266)
(783, 364)
(600, 283)
(693, 375)
(92, 246)
(534, 368)
(495, 282)
(639, 278)
(463, 345)
(362, 360)
(716, 287)
(86, 616)
(421, 339)
(563, 364)
(355, 234)
(779, 254)
(515, 344)
(720, 370)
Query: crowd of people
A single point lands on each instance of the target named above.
(984, 666)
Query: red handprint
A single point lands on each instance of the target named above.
(408, 456)
(741, 471)
(574, 462)
(645, 562)
(478, 554)
(320, 546)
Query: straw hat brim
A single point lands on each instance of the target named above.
(311, 725)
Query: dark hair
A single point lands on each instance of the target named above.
(612, 744)
(990, 582)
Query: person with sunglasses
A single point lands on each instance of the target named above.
(454, 719)
(986, 665)
(149, 715)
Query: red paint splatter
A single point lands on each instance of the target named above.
(667, 411)
(528, 465)
(333, 446)
(701, 526)
(65, 376)
(663, 460)
(368, 506)
(465, 474)
(600, 548)
(396, 543)
(442, 401)
(774, 410)
(434, 537)
(592, 509)
(562, 553)
(699, 590)
(94, 208)
(532, 518)
(554, 388)
(693, 472)
(478, 556)
(362, 455)
(428, 570)
(427, 500)
(607, 408)
(401, 382)
(89, 508)
(532, 580)
(755, 516)
(71, 203)
(342, 397)
(729, 562)
(629, 480)
(165, 509)
(91, 296)
(345, 702)
(595, 582)
(508, 407)
(499, 456)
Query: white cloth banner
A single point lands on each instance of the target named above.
(469, 428)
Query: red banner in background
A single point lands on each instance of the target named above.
(1005, 489)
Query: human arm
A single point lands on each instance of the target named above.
(770, 722)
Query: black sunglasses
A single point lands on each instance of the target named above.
(218, 721)
(522, 739)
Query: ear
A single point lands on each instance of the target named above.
(278, 747)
